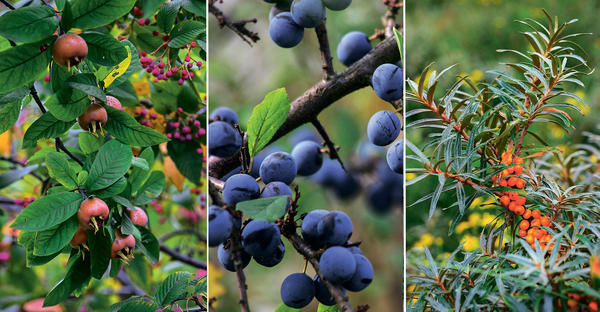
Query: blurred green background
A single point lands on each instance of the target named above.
(467, 33)
(240, 76)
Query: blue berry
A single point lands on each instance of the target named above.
(272, 259)
(337, 5)
(388, 82)
(308, 157)
(225, 114)
(277, 189)
(260, 238)
(297, 290)
(308, 13)
(310, 231)
(395, 156)
(224, 139)
(260, 157)
(353, 46)
(220, 225)
(226, 259)
(322, 293)
(279, 166)
(335, 228)
(284, 31)
(303, 134)
(383, 128)
(239, 188)
(363, 275)
(337, 264)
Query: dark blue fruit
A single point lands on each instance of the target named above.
(326, 175)
(279, 166)
(228, 175)
(308, 13)
(260, 238)
(224, 256)
(277, 189)
(240, 187)
(258, 159)
(383, 128)
(322, 293)
(363, 275)
(395, 156)
(224, 139)
(333, 176)
(303, 134)
(225, 114)
(337, 5)
(220, 224)
(335, 228)
(354, 249)
(388, 82)
(380, 198)
(310, 231)
(297, 290)
(337, 264)
(280, 6)
(272, 259)
(308, 157)
(353, 46)
(284, 31)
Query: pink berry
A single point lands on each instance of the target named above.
(199, 151)
(187, 129)
(141, 22)
(187, 58)
(199, 64)
(189, 65)
(180, 81)
(147, 21)
(161, 65)
(165, 38)
(188, 137)
(193, 44)
(169, 135)
(197, 123)
(174, 69)
(155, 33)
(179, 110)
(47, 78)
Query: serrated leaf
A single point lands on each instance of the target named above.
(266, 119)
(111, 164)
(53, 240)
(127, 130)
(77, 277)
(94, 13)
(186, 159)
(9, 177)
(87, 84)
(28, 24)
(100, 245)
(45, 127)
(184, 33)
(148, 244)
(59, 169)
(172, 288)
(23, 64)
(89, 143)
(134, 304)
(58, 76)
(48, 211)
(10, 108)
(166, 16)
(67, 104)
(139, 175)
(104, 49)
(151, 188)
(266, 209)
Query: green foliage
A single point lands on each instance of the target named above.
(266, 119)
(266, 209)
(23, 64)
(28, 24)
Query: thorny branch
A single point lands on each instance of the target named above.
(332, 149)
(238, 27)
(328, 71)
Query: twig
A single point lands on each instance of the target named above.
(328, 71)
(7, 4)
(236, 253)
(193, 232)
(333, 154)
(308, 106)
(18, 163)
(124, 279)
(215, 186)
(183, 258)
(389, 20)
(239, 27)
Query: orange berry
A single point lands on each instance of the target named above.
(536, 214)
(520, 210)
(520, 183)
(542, 246)
(529, 239)
(522, 233)
(512, 181)
(503, 183)
(547, 238)
(524, 225)
(593, 306)
(504, 172)
(510, 170)
(535, 222)
(512, 206)
(505, 201)
(545, 221)
(550, 246)
(518, 170)
(513, 195)
(538, 234)
(520, 200)
(518, 160)
(527, 214)
(530, 231)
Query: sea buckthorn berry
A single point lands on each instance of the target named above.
(505, 201)
(522, 233)
(503, 183)
(593, 306)
(535, 222)
(530, 231)
(529, 239)
(520, 210)
(536, 214)
(524, 225)
(512, 206)
(518, 170)
(545, 221)
(538, 234)
(512, 181)
(520, 200)
(513, 195)
(547, 238)
(518, 160)
(520, 183)
(510, 170)
(527, 214)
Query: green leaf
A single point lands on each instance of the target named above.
(184, 33)
(28, 24)
(266, 119)
(140, 163)
(124, 92)
(59, 169)
(151, 188)
(66, 16)
(48, 211)
(9, 177)
(148, 245)
(266, 209)
(196, 7)
(45, 127)
(284, 308)
(134, 304)
(82, 177)
(150, 6)
(104, 49)
(87, 84)
(139, 270)
(399, 41)
(67, 104)
(139, 175)
(58, 76)
(166, 16)
(115, 268)
(40, 155)
(94, 13)
(111, 164)
(186, 159)
(325, 308)
(15, 95)
(127, 130)
(77, 277)
(134, 65)
(10, 107)
(27, 240)
(163, 95)
(89, 143)
(23, 64)
(100, 248)
(113, 189)
(172, 288)
(53, 240)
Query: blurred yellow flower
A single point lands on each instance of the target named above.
(486, 219)
(470, 242)
(410, 176)
(581, 95)
(477, 75)
(216, 288)
(425, 241)
(142, 88)
(462, 226)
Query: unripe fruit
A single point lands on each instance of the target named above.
(93, 119)
(69, 50)
(80, 237)
(122, 247)
(92, 213)
(138, 216)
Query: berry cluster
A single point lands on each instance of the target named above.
(24, 201)
(383, 129)
(162, 71)
(145, 117)
(184, 127)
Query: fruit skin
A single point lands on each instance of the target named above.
(279, 166)
(388, 82)
(240, 187)
(138, 216)
(337, 264)
(308, 13)
(69, 50)
(308, 157)
(284, 31)
(353, 46)
(80, 237)
(95, 116)
(335, 228)
(333, 176)
(277, 189)
(92, 213)
(224, 140)
(123, 244)
(310, 231)
(322, 293)
(297, 290)
(224, 256)
(220, 224)
(337, 5)
(303, 134)
(260, 238)
(383, 128)
(272, 259)
(259, 158)
(225, 114)
(395, 156)
(113, 102)
(363, 275)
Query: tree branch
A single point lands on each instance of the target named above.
(193, 232)
(183, 258)
(308, 106)
(328, 71)
(20, 164)
(333, 154)
(238, 27)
